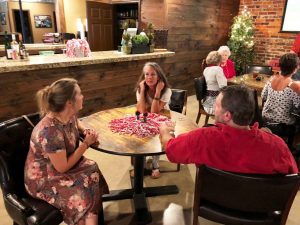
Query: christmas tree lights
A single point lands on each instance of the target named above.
(241, 41)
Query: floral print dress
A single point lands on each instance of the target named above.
(76, 192)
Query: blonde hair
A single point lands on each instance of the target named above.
(213, 58)
(53, 98)
(224, 48)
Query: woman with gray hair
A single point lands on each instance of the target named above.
(215, 80)
(226, 64)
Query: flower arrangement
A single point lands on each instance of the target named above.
(150, 33)
(126, 45)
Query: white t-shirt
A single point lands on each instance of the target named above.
(164, 98)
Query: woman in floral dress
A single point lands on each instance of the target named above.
(56, 170)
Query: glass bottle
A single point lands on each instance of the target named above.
(7, 45)
(22, 50)
(14, 46)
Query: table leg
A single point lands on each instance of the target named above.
(142, 214)
(139, 193)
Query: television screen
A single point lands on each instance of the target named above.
(291, 16)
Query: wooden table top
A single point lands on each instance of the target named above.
(251, 82)
(131, 145)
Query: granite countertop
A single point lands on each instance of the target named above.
(38, 62)
(40, 46)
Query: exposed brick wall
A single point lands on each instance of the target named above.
(270, 43)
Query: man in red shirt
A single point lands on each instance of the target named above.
(231, 145)
(296, 49)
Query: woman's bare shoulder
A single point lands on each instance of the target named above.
(295, 86)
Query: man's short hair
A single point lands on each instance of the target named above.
(239, 101)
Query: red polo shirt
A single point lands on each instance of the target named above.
(232, 149)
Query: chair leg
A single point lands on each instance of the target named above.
(101, 216)
(198, 117)
(195, 220)
(178, 167)
(206, 120)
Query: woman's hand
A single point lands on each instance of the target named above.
(160, 85)
(142, 86)
(91, 136)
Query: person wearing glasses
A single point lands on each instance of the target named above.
(153, 95)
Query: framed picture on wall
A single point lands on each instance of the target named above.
(2, 18)
(42, 21)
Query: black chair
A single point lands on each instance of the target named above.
(260, 69)
(178, 104)
(14, 145)
(243, 199)
(178, 101)
(201, 88)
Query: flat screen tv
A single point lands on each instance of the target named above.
(291, 16)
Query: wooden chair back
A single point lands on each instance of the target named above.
(233, 198)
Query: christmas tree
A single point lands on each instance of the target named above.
(241, 42)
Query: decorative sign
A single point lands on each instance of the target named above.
(3, 18)
(42, 21)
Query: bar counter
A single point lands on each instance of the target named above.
(107, 79)
(38, 62)
(34, 49)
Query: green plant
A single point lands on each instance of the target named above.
(150, 33)
(241, 42)
(140, 40)
(125, 36)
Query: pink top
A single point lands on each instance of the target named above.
(232, 149)
(228, 69)
(296, 45)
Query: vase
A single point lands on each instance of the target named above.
(151, 48)
(126, 49)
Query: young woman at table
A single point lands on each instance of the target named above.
(215, 80)
(226, 64)
(56, 170)
(153, 95)
(280, 99)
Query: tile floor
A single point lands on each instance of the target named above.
(115, 169)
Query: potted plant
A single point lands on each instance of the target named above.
(140, 44)
(126, 45)
(150, 35)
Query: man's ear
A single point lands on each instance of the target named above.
(227, 116)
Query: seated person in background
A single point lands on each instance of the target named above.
(56, 170)
(231, 145)
(153, 95)
(215, 80)
(280, 99)
(226, 64)
(296, 49)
